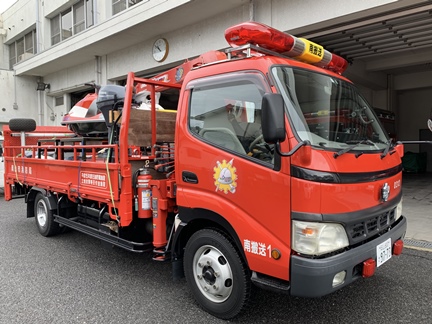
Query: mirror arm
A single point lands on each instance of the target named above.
(414, 142)
(295, 149)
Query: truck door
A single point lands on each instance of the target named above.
(226, 167)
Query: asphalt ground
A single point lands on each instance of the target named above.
(74, 278)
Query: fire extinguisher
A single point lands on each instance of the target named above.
(144, 194)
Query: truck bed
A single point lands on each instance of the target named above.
(53, 159)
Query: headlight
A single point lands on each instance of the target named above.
(398, 212)
(318, 238)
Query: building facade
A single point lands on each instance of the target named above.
(49, 50)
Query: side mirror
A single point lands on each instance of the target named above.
(273, 118)
(429, 123)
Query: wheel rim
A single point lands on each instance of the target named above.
(213, 274)
(41, 213)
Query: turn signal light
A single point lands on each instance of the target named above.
(275, 254)
(368, 268)
(398, 247)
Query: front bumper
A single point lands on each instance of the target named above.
(314, 277)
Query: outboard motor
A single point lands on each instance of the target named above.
(110, 99)
(110, 102)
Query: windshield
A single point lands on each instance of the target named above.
(329, 112)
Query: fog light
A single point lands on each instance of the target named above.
(339, 278)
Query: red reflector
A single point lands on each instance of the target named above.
(368, 268)
(398, 247)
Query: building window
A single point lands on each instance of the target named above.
(59, 101)
(28, 43)
(120, 5)
(66, 24)
(79, 17)
(19, 48)
(72, 21)
(55, 30)
(22, 49)
(89, 13)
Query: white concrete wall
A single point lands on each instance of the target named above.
(414, 109)
(71, 79)
(287, 15)
(183, 43)
(19, 19)
(4, 53)
(413, 80)
(379, 100)
(21, 90)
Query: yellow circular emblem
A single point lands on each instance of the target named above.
(225, 176)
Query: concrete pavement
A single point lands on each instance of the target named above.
(417, 206)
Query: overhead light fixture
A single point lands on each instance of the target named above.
(41, 86)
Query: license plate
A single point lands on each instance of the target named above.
(384, 252)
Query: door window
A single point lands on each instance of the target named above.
(226, 112)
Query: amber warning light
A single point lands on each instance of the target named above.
(272, 39)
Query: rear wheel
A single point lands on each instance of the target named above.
(44, 216)
(216, 274)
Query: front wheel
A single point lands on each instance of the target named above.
(44, 216)
(216, 274)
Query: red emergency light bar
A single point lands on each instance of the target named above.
(272, 39)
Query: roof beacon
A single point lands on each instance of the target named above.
(272, 39)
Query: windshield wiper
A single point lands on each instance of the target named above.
(388, 148)
(349, 148)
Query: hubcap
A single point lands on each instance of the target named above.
(213, 274)
(41, 213)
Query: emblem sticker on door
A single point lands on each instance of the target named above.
(225, 176)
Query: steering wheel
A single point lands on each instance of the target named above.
(260, 149)
(358, 113)
(259, 139)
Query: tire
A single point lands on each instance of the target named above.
(216, 274)
(22, 125)
(44, 217)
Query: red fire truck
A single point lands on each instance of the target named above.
(265, 166)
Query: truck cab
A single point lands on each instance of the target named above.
(292, 162)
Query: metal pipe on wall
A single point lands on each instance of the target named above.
(37, 28)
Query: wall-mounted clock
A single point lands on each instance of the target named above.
(160, 49)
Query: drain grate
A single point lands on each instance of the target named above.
(418, 244)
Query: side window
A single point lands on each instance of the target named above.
(228, 115)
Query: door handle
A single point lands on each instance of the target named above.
(189, 177)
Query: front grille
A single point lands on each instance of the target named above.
(365, 229)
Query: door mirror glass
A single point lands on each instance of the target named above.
(273, 118)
